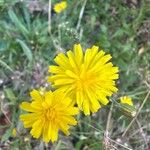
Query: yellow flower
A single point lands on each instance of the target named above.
(47, 113)
(126, 100)
(87, 77)
(59, 7)
(128, 106)
(14, 132)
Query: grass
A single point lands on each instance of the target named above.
(121, 28)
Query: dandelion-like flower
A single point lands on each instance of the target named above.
(126, 100)
(59, 7)
(47, 113)
(87, 77)
(128, 106)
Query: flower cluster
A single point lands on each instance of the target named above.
(83, 78)
(88, 78)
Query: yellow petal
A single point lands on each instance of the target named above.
(87, 58)
(62, 61)
(36, 105)
(78, 54)
(86, 108)
(71, 74)
(94, 104)
(45, 132)
(64, 128)
(49, 97)
(36, 95)
(27, 106)
(69, 120)
(71, 59)
(102, 98)
(97, 58)
(79, 98)
(37, 129)
(29, 119)
(72, 111)
(52, 132)
(63, 81)
(55, 69)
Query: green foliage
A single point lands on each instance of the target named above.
(27, 48)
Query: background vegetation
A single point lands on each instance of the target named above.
(120, 27)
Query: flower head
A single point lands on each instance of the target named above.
(87, 77)
(126, 100)
(128, 106)
(14, 132)
(59, 7)
(47, 113)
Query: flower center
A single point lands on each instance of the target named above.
(50, 114)
(85, 80)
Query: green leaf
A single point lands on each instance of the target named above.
(3, 64)
(17, 22)
(27, 17)
(3, 45)
(120, 32)
(1, 2)
(27, 51)
(10, 94)
(7, 134)
(103, 28)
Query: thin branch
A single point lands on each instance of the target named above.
(119, 144)
(81, 15)
(148, 85)
(106, 134)
(109, 118)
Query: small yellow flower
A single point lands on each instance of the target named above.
(47, 113)
(128, 106)
(14, 132)
(126, 100)
(59, 7)
(87, 77)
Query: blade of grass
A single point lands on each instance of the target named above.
(26, 49)
(3, 64)
(17, 22)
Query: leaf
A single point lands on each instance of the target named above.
(7, 134)
(1, 2)
(120, 32)
(103, 28)
(9, 94)
(17, 22)
(3, 64)
(26, 49)
(3, 45)
(27, 17)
